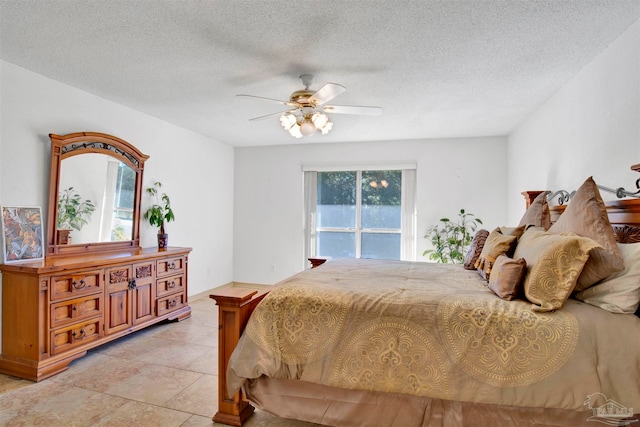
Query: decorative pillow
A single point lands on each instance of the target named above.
(554, 262)
(475, 249)
(513, 231)
(586, 215)
(506, 277)
(620, 292)
(538, 213)
(497, 244)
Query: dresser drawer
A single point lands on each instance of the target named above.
(170, 303)
(170, 266)
(76, 284)
(63, 339)
(63, 313)
(170, 285)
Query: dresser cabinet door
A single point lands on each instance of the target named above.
(144, 292)
(118, 314)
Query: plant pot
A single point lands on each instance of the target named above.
(163, 241)
(64, 237)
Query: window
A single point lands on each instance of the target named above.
(364, 213)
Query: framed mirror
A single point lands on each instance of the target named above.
(95, 192)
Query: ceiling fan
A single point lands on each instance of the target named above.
(308, 112)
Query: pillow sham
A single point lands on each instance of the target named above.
(475, 249)
(554, 263)
(620, 292)
(538, 213)
(586, 215)
(513, 231)
(496, 244)
(506, 277)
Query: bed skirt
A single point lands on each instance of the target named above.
(332, 406)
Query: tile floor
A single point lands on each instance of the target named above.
(123, 384)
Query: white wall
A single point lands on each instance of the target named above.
(197, 172)
(590, 127)
(465, 173)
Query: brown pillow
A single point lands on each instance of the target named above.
(513, 231)
(506, 277)
(537, 213)
(475, 249)
(586, 215)
(497, 244)
(554, 262)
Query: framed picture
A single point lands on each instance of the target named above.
(22, 233)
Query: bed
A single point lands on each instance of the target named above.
(363, 342)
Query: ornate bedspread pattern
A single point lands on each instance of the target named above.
(433, 330)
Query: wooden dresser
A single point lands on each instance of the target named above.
(53, 311)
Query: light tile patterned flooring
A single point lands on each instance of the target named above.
(163, 376)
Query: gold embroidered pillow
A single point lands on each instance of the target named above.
(475, 249)
(497, 244)
(586, 215)
(506, 277)
(554, 263)
(537, 213)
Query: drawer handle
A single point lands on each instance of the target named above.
(173, 302)
(171, 265)
(80, 335)
(74, 308)
(82, 284)
(132, 284)
(171, 284)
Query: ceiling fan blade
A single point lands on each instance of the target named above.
(353, 109)
(327, 93)
(268, 115)
(291, 104)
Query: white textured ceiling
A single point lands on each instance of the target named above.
(438, 68)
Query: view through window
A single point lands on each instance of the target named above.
(359, 214)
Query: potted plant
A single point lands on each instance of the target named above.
(159, 213)
(73, 213)
(452, 239)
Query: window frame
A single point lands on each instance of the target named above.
(407, 229)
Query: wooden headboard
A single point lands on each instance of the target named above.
(624, 216)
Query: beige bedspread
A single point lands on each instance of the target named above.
(436, 330)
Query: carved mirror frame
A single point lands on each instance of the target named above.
(75, 144)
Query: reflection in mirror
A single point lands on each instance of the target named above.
(110, 188)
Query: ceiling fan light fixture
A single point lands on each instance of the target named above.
(288, 120)
(319, 119)
(308, 110)
(295, 131)
(307, 128)
(326, 128)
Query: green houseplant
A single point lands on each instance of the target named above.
(73, 213)
(451, 239)
(159, 212)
